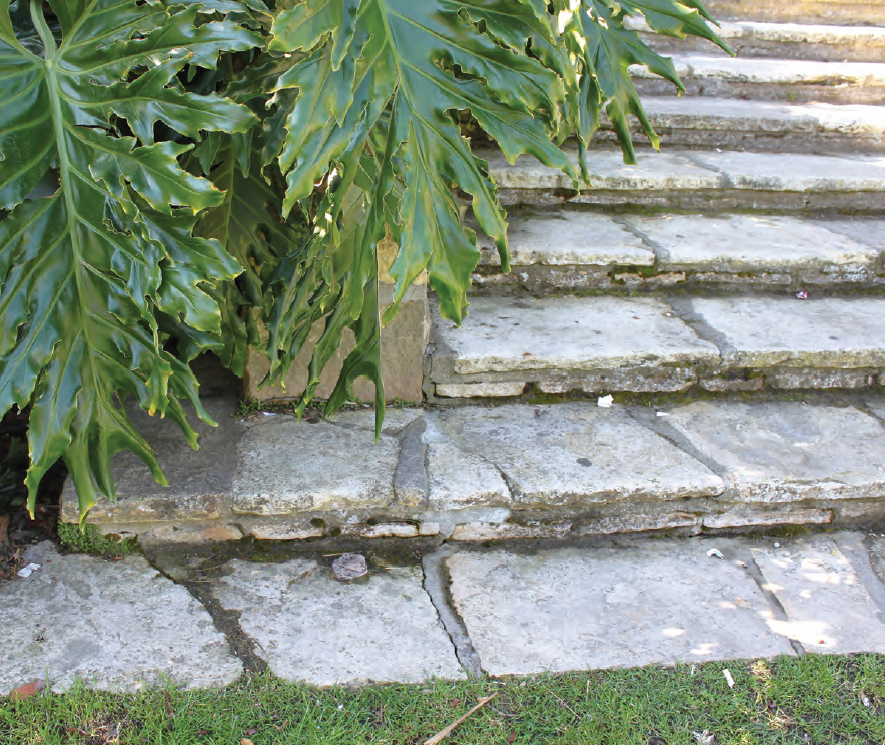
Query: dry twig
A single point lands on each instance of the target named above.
(443, 734)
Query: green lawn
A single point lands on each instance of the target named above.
(839, 699)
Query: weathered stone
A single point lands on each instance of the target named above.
(824, 332)
(294, 530)
(787, 452)
(480, 390)
(573, 609)
(312, 628)
(445, 521)
(869, 231)
(829, 609)
(577, 453)
(791, 378)
(560, 238)
(746, 243)
(636, 523)
(403, 342)
(191, 533)
(570, 333)
(741, 517)
(381, 530)
(794, 172)
(287, 468)
(663, 379)
(860, 513)
(116, 626)
(460, 478)
(200, 481)
(722, 384)
(506, 531)
(845, 12)
(410, 480)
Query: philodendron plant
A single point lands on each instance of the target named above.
(173, 174)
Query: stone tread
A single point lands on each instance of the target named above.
(558, 342)
(697, 170)
(840, 12)
(701, 243)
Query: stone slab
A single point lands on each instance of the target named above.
(795, 172)
(576, 453)
(460, 478)
(571, 333)
(848, 12)
(843, 332)
(742, 243)
(315, 629)
(287, 468)
(655, 171)
(578, 609)
(116, 626)
(199, 480)
(828, 608)
(786, 452)
(868, 231)
(563, 238)
(780, 71)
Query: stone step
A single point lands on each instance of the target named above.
(780, 41)
(508, 346)
(573, 250)
(840, 12)
(476, 473)
(700, 179)
(764, 126)
(769, 79)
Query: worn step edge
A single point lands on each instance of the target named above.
(840, 12)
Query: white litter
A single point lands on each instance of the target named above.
(777, 545)
(28, 570)
(606, 402)
(662, 413)
(715, 552)
(728, 678)
(704, 738)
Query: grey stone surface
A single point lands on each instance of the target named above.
(864, 230)
(795, 172)
(576, 453)
(847, 12)
(742, 243)
(480, 390)
(459, 477)
(313, 628)
(786, 452)
(573, 609)
(792, 72)
(502, 334)
(743, 516)
(839, 332)
(116, 626)
(287, 468)
(655, 171)
(828, 607)
(556, 238)
(199, 480)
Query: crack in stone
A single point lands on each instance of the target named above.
(435, 583)
(226, 622)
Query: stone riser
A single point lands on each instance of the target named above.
(759, 141)
(835, 12)
(474, 474)
(862, 50)
(547, 280)
(835, 90)
(703, 200)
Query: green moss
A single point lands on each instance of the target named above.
(90, 540)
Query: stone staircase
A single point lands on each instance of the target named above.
(725, 292)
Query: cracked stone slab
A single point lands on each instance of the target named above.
(796, 172)
(116, 626)
(837, 332)
(574, 609)
(577, 453)
(563, 238)
(740, 243)
(573, 333)
(787, 452)
(828, 608)
(312, 628)
(288, 467)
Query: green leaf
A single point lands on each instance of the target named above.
(89, 270)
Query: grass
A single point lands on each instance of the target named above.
(90, 540)
(816, 699)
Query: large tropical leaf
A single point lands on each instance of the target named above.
(86, 271)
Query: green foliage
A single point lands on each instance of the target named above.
(12, 469)
(175, 177)
(88, 539)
